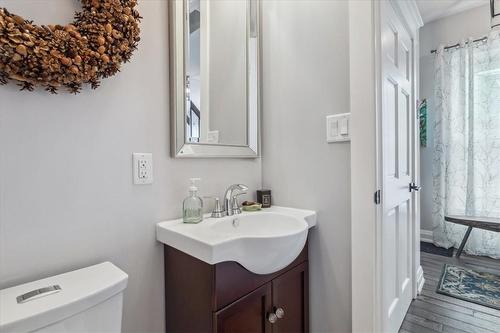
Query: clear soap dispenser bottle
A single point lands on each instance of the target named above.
(192, 207)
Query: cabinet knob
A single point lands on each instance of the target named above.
(272, 318)
(280, 313)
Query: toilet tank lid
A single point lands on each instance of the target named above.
(79, 290)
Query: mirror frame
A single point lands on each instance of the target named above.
(179, 147)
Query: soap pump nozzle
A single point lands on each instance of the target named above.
(193, 187)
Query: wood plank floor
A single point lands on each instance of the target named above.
(432, 312)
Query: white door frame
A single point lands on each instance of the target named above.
(366, 216)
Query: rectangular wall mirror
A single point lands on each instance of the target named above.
(215, 78)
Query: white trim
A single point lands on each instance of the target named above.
(365, 72)
(420, 279)
(379, 174)
(426, 236)
(364, 223)
(411, 15)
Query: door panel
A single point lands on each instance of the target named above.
(390, 95)
(404, 129)
(247, 315)
(397, 110)
(290, 293)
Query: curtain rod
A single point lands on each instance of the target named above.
(458, 44)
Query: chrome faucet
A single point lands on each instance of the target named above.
(231, 206)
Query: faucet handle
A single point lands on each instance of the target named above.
(235, 205)
(230, 202)
(218, 211)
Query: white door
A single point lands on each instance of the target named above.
(398, 107)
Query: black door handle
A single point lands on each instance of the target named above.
(414, 187)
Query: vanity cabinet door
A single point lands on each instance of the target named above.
(248, 314)
(290, 297)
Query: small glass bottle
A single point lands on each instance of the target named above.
(192, 207)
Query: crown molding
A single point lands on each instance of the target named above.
(409, 10)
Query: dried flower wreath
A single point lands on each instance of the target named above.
(102, 36)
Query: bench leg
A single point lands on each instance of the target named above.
(462, 245)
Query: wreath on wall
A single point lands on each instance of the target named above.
(102, 37)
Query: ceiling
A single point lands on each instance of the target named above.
(435, 9)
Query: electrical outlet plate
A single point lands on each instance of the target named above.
(143, 168)
(338, 128)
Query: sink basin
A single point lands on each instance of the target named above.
(263, 242)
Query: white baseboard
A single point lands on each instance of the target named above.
(426, 236)
(420, 279)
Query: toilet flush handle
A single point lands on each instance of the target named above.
(38, 293)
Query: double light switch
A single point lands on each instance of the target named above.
(337, 127)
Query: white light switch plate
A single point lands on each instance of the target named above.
(213, 137)
(338, 127)
(143, 168)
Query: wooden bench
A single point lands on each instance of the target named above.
(486, 223)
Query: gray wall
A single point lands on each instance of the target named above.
(450, 30)
(66, 193)
(305, 78)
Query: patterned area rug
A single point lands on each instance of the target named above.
(469, 285)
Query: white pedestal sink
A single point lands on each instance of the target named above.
(263, 242)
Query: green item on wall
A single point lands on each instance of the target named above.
(422, 116)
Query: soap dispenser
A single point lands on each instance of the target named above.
(192, 207)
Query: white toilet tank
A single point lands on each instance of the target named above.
(86, 300)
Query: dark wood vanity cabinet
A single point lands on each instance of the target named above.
(247, 314)
(290, 292)
(226, 298)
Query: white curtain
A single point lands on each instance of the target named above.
(466, 157)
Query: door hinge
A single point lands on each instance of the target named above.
(376, 197)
